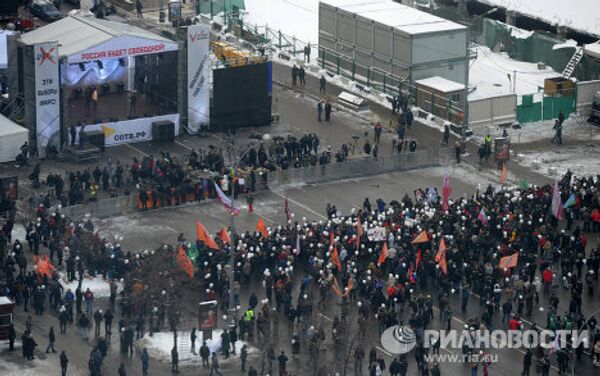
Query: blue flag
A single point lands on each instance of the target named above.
(570, 201)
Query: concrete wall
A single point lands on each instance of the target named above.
(586, 90)
(491, 111)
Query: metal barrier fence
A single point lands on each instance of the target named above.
(367, 166)
(354, 168)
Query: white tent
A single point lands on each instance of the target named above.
(12, 137)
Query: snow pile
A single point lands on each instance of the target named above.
(491, 74)
(298, 18)
(160, 344)
(577, 14)
(97, 285)
(569, 43)
(554, 162)
(19, 233)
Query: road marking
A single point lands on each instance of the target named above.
(383, 350)
(300, 205)
(172, 229)
(325, 317)
(136, 149)
(183, 145)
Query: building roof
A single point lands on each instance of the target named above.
(441, 84)
(409, 20)
(78, 33)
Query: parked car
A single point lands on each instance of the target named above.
(45, 11)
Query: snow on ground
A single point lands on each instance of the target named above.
(580, 15)
(555, 161)
(298, 18)
(19, 233)
(575, 128)
(160, 344)
(490, 72)
(97, 285)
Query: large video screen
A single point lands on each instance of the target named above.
(241, 97)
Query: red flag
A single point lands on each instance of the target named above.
(335, 259)
(204, 237)
(557, 206)
(286, 209)
(411, 275)
(384, 254)
(482, 217)
(331, 238)
(446, 191)
(421, 238)
(184, 262)
(443, 265)
(509, 261)
(262, 228)
(418, 260)
(224, 236)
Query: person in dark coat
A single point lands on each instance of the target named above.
(64, 363)
(122, 371)
(294, 74)
(193, 340)
(322, 83)
(145, 359)
(12, 335)
(51, 339)
(174, 360)
(327, 111)
(319, 110)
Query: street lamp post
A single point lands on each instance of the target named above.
(234, 161)
(467, 63)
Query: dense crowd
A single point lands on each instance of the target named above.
(303, 264)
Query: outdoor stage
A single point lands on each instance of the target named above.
(112, 107)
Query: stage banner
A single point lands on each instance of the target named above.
(130, 131)
(47, 96)
(198, 72)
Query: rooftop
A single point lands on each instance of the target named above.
(441, 84)
(398, 16)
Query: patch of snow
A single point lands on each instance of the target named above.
(554, 162)
(298, 18)
(19, 233)
(577, 14)
(97, 285)
(593, 49)
(492, 74)
(160, 344)
(569, 43)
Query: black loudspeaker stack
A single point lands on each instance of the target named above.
(163, 131)
(95, 138)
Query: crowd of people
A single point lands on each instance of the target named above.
(389, 278)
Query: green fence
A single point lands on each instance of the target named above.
(549, 108)
(214, 7)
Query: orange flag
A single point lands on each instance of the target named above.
(224, 236)
(509, 261)
(185, 263)
(442, 263)
(421, 238)
(204, 237)
(441, 251)
(384, 254)
(335, 259)
(503, 174)
(43, 266)
(262, 228)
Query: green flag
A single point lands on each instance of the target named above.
(193, 253)
(524, 184)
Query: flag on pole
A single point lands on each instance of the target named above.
(418, 259)
(286, 209)
(557, 208)
(262, 228)
(443, 265)
(570, 201)
(193, 252)
(224, 236)
(441, 250)
(226, 201)
(297, 250)
(359, 231)
(204, 237)
(335, 259)
(421, 238)
(509, 261)
(482, 217)
(184, 262)
(523, 184)
(446, 191)
(503, 174)
(385, 252)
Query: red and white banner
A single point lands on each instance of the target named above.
(122, 47)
